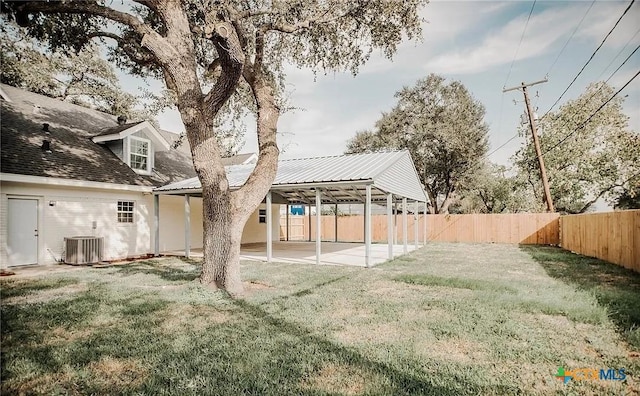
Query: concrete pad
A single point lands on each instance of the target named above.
(332, 253)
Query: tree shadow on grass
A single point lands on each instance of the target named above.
(615, 287)
(190, 349)
(411, 380)
(167, 273)
(14, 288)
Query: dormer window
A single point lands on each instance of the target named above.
(139, 154)
(135, 144)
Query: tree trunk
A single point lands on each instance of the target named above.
(222, 236)
(433, 209)
(448, 200)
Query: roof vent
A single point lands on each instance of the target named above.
(45, 128)
(46, 146)
(122, 119)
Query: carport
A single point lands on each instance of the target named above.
(384, 178)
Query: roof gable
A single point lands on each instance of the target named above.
(122, 131)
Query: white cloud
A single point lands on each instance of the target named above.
(603, 17)
(544, 29)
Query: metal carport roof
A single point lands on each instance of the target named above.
(342, 178)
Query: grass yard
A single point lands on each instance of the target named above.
(448, 319)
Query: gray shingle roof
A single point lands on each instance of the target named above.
(392, 172)
(117, 129)
(74, 156)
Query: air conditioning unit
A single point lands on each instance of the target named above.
(83, 249)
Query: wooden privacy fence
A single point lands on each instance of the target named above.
(611, 236)
(524, 228)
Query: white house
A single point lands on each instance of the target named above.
(71, 171)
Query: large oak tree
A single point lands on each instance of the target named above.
(242, 47)
(443, 127)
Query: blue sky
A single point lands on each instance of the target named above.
(474, 42)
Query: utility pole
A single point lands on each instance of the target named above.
(536, 142)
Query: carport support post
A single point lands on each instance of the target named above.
(269, 228)
(187, 226)
(335, 223)
(405, 225)
(318, 226)
(367, 228)
(415, 224)
(390, 224)
(395, 222)
(424, 237)
(287, 230)
(309, 207)
(156, 224)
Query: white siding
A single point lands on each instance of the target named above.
(256, 232)
(172, 223)
(66, 212)
(75, 209)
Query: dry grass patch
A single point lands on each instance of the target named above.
(110, 373)
(62, 335)
(46, 295)
(45, 384)
(252, 286)
(179, 317)
(391, 289)
(338, 379)
(453, 350)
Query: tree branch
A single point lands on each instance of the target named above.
(606, 190)
(124, 45)
(161, 49)
(231, 58)
(319, 18)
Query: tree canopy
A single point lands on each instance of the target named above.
(83, 78)
(493, 189)
(588, 155)
(442, 125)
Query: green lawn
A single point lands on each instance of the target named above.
(447, 319)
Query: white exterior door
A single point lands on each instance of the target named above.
(22, 224)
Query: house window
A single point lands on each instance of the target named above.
(262, 216)
(125, 211)
(139, 153)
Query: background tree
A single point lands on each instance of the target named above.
(492, 190)
(443, 127)
(585, 161)
(242, 46)
(629, 199)
(82, 78)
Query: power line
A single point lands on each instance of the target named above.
(588, 99)
(607, 80)
(520, 43)
(617, 55)
(585, 122)
(502, 145)
(590, 58)
(570, 37)
(622, 64)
